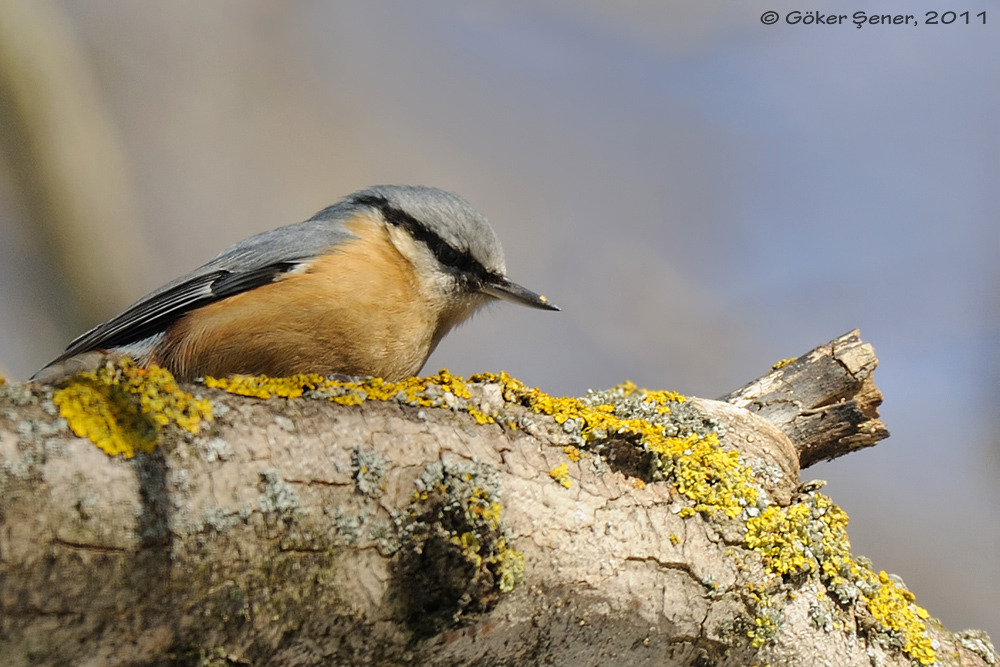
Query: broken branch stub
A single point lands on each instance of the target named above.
(826, 400)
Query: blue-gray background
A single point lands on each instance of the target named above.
(701, 193)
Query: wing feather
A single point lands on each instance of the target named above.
(158, 311)
(253, 262)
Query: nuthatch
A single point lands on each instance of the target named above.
(368, 286)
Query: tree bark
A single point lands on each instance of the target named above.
(305, 532)
(826, 401)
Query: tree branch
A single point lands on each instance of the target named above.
(825, 401)
(503, 527)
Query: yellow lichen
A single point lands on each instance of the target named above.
(713, 478)
(561, 474)
(563, 408)
(469, 543)
(661, 397)
(894, 609)
(763, 632)
(783, 363)
(810, 538)
(121, 408)
(779, 534)
(464, 500)
(511, 566)
(262, 386)
(440, 390)
(572, 453)
(508, 564)
(763, 628)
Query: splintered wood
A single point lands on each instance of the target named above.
(825, 401)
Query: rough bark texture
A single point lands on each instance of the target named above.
(303, 532)
(826, 401)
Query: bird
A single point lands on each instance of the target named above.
(366, 287)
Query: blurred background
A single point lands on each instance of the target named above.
(701, 193)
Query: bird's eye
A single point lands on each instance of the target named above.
(445, 253)
(450, 257)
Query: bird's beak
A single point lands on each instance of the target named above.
(502, 288)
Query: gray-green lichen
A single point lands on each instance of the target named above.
(347, 525)
(367, 469)
(17, 393)
(681, 420)
(979, 643)
(455, 557)
(278, 497)
(219, 519)
(215, 449)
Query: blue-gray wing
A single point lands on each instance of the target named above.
(253, 262)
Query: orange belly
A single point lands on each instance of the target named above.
(358, 310)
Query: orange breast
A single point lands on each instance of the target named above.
(357, 310)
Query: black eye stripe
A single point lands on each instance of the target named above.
(461, 261)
